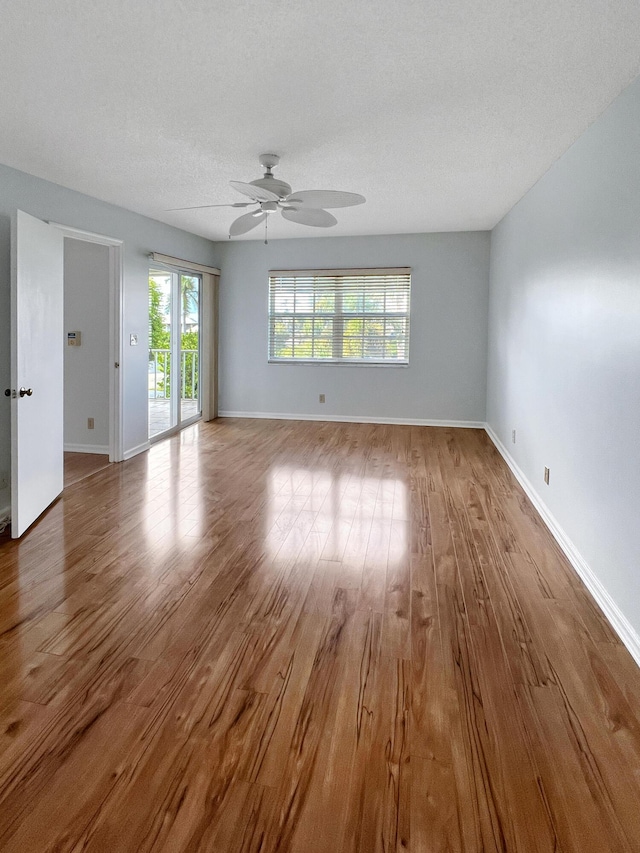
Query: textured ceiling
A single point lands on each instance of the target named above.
(441, 114)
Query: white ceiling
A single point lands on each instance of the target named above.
(442, 113)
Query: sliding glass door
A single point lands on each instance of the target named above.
(174, 350)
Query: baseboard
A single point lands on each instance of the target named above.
(128, 454)
(354, 419)
(619, 622)
(102, 449)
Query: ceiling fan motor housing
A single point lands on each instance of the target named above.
(280, 188)
(268, 182)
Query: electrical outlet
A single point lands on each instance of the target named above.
(90, 423)
(513, 436)
(546, 476)
(322, 398)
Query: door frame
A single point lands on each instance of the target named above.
(116, 335)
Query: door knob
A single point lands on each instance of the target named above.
(25, 392)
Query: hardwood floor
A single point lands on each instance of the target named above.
(77, 466)
(286, 636)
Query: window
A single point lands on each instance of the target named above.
(339, 316)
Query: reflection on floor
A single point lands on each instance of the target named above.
(160, 414)
(77, 466)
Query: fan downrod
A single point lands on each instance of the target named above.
(269, 161)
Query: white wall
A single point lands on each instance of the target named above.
(86, 368)
(446, 378)
(140, 235)
(564, 352)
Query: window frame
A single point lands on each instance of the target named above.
(338, 317)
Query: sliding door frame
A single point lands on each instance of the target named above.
(208, 360)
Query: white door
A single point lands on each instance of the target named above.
(36, 369)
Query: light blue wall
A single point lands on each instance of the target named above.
(141, 235)
(446, 378)
(86, 368)
(564, 344)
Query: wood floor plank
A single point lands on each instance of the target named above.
(581, 821)
(435, 822)
(309, 638)
(312, 727)
(286, 694)
(344, 753)
(386, 823)
(397, 604)
(81, 781)
(78, 466)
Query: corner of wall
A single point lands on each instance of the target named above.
(133, 451)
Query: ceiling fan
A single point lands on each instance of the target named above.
(269, 195)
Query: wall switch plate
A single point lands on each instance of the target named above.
(322, 398)
(546, 476)
(513, 436)
(90, 423)
(133, 340)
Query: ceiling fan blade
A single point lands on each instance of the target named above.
(310, 216)
(245, 223)
(256, 193)
(201, 206)
(325, 198)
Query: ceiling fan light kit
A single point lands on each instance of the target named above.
(270, 194)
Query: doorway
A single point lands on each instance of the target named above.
(175, 350)
(86, 358)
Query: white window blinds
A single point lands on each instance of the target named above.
(358, 316)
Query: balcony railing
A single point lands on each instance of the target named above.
(160, 374)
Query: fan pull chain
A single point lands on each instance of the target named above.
(266, 224)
